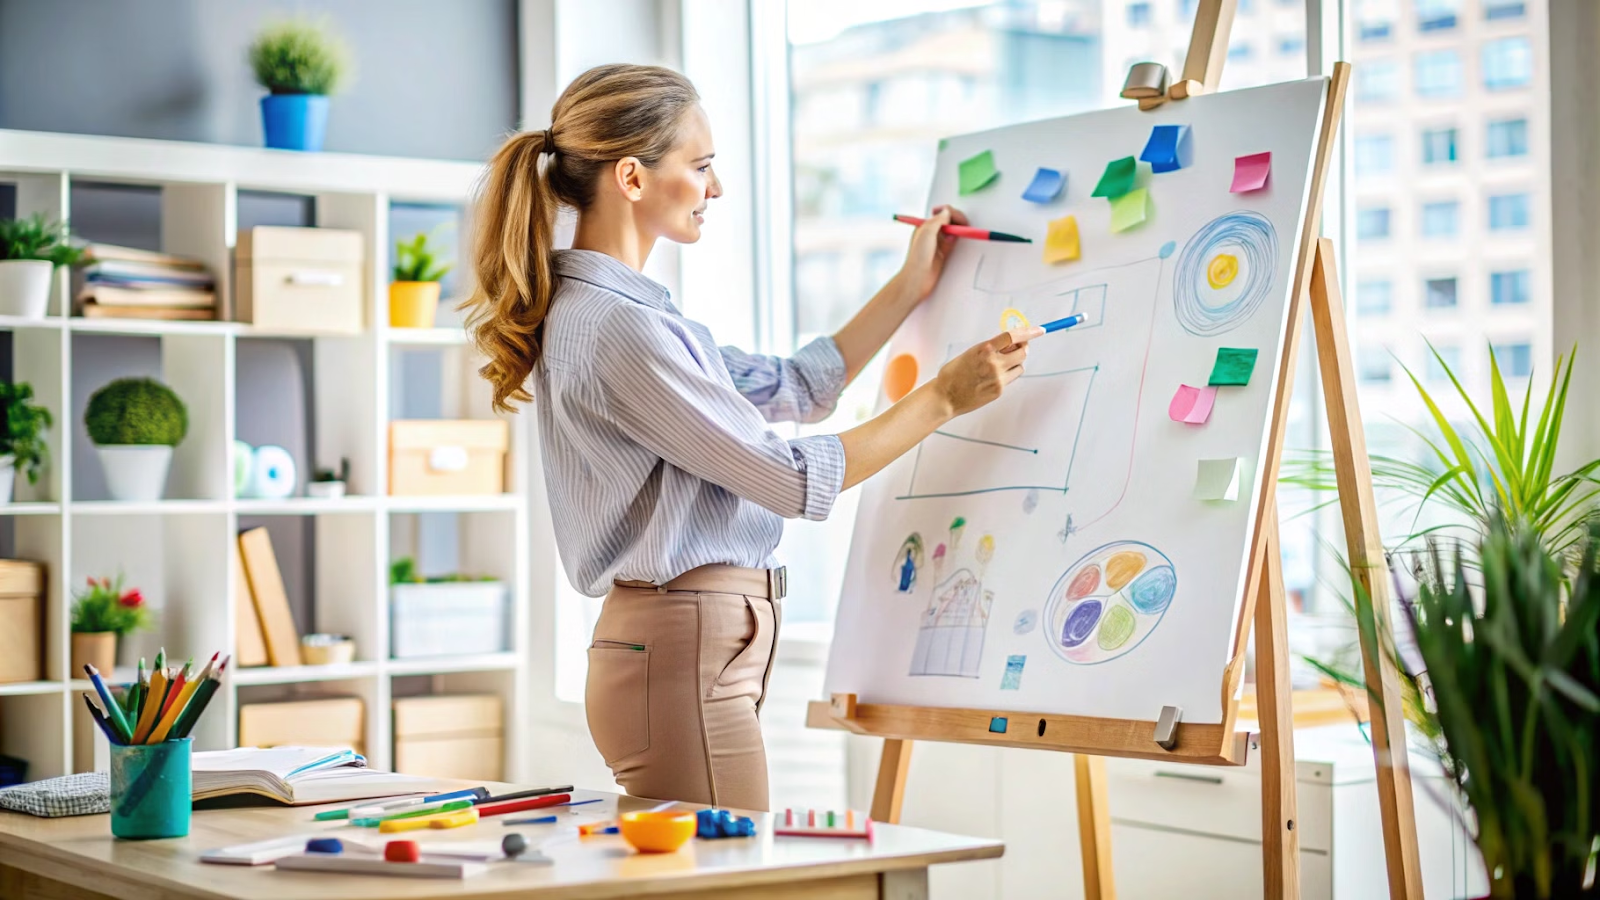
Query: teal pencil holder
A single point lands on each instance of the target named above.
(151, 789)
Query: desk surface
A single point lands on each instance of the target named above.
(80, 851)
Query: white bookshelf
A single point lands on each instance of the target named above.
(178, 549)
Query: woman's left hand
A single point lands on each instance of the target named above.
(929, 249)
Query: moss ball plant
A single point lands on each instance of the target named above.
(136, 411)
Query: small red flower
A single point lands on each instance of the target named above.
(131, 599)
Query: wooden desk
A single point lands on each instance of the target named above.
(53, 859)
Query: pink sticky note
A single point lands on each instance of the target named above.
(1250, 172)
(1192, 405)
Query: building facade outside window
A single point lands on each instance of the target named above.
(1440, 219)
(1374, 154)
(1372, 223)
(1439, 293)
(1374, 296)
(1509, 212)
(1437, 15)
(1513, 287)
(1434, 371)
(1507, 63)
(1515, 358)
(1438, 73)
(1378, 81)
(1438, 146)
(1506, 138)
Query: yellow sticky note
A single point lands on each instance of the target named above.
(1061, 240)
(1130, 209)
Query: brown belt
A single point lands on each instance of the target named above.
(724, 579)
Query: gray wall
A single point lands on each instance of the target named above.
(431, 79)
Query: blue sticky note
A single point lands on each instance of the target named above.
(1046, 186)
(1169, 148)
(1013, 677)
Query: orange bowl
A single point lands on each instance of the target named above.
(657, 832)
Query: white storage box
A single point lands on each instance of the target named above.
(452, 618)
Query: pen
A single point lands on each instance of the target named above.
(371, 810)
(542, 820)
(967, 231)
(1059, 324)
(533, 792)
(425, 809)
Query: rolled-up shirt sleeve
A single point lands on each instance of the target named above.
(659, 392)
(802, 388)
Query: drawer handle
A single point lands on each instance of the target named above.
(447, 459)
(1185, 776)
(315, 279)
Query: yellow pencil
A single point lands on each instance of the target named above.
(152, 705)
(159, 733)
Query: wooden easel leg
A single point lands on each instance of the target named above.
(891, 788)
(1094, 827)
(1280, 836)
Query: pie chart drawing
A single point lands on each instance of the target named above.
(1108, 602)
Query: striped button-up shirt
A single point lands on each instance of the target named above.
(658, 457)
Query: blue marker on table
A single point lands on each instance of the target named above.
(1059, 324)
(541, 820)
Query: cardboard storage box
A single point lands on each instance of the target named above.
(450, 618)
(326, 722)
(448, 456)
(300, 279)
(450, 736)
(21, 621)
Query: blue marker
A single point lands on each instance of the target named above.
(1059, 324)
(542, 820)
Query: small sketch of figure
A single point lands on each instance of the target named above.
(908, 573)
(907, 562)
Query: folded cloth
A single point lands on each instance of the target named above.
(84, 794)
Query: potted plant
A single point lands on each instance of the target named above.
(30, 251)
(451, 614)
(301, 64)
(414, 290)
(102, 613)
(134, 424)
(22, 445)
(327, 483)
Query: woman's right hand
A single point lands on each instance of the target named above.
(978, 375)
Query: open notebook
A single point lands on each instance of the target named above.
(298, 775)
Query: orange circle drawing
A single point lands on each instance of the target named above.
(900, 377)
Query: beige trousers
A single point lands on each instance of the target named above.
(677, 676)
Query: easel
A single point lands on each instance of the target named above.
(1316, 285)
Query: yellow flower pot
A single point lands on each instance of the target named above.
(412, 304)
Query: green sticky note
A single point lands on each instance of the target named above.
(977, 172)
(1118, 178)
(1130, 209)
(943, 143)
(1233, 366)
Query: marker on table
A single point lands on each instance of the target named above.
(967, 231)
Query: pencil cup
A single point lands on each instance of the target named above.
(150, 789)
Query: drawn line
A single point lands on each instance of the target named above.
(991, 490)
(1088, 394)
(972, 440)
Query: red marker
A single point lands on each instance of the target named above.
(967, 231)
(511, 806)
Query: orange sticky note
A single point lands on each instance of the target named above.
(1061, 240)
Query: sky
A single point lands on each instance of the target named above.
(818, 20)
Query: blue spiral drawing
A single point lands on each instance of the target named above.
(1252, 238)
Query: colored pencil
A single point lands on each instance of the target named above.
(113, 711)
(197, 703)
(101, 721)
(175, 708)
(152, 702)
(967, 231)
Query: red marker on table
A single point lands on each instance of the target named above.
(967, 231)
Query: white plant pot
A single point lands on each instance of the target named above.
(8, 477)
(326, 490)
(135, 471)
(25, 287)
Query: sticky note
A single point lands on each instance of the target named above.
(1218, 479)
(1192, 405)
(1046, 186)
(1233, 366)
(1013, 677)
(1130, 209)
(1118, 178)
(1250, 172)
(976, 172)
(1168, 149)
(943, 143)
(1061, 240)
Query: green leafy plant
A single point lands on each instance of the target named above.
(404, 571)
(136, 411)
(105, 606)
(417, 260)
(299, 57)
(25, 424)
(37, 238)
(1511, 653)
(342, 474)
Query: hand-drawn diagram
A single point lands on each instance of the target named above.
(907, 562)
(950, 635)
(1108, 602)
(1226, 271)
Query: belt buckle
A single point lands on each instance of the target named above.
(777, 583)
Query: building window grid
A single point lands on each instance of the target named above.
(1510, 212)
(1510, 287)
(1439, 145)
(1441, 218)
(1507, 63)
(1439, 293)
(1438, 73)
(1506, 138)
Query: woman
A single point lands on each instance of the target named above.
(666, 486)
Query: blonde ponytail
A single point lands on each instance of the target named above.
(606, 114)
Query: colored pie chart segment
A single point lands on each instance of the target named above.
(1110, 600)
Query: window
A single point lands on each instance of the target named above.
(1507, 63)
(1438, 73)
(1378, 81)
(1438, 145)
(1508, 212)
(1433, 370)
(1436, 15)
(1240, 52)
(1507, 137)
(1439, 219)
(1375, 365)
(1374, 297)
(1138, 15)
(1374, 30)
(1511, 287)
(1504, 9)
(1374, 154)
(1292, 46)
(1515, 359)
(1372, 223)
(1439, 293)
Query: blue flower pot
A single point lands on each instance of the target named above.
(294, 121)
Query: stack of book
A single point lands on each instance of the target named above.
(126, 283)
